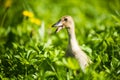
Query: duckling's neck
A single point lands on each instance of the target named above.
(71, 35)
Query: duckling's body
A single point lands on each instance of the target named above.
(73, 48)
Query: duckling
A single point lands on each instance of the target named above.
(73, 48)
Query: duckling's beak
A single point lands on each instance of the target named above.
(59, 26)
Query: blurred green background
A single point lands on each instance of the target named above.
(29, 49)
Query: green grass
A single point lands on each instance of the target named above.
(29, 48)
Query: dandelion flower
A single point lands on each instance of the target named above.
(28, 13)
(8, 3)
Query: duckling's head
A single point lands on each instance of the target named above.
(65, 22)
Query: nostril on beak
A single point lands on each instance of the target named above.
(57, 24)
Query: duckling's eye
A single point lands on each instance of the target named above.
(65, 19)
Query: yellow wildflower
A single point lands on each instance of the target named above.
(28, 13)
(31, 17)
(8, 3)
(35, 21)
